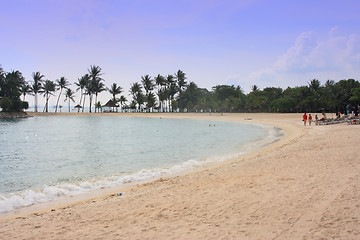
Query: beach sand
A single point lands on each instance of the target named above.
(305, 186)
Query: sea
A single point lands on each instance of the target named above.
(46, 158)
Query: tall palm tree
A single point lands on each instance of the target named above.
(36, 87)
(96, 82)
(61, 84)
(82, 82)
(69, 95)
(49, 89)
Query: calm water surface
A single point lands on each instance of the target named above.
(46, 158)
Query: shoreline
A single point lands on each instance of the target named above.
(249, 148)
(265, 194)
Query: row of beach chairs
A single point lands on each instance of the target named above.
(348, 120)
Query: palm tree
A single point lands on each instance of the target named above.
(137, 94)
(37, 86)
(148, 86)
(160, 82)
(88, 91)
(98, 87)
(61, 84)
(69, 95)
(170, 87)
(115, 90)
(96, 82)
(98, 106)
(147, 83)
(49, 88)
(255, 88)
(150, 101)
(181, 84)
(82, 82)
(25, 89)
(122, 100)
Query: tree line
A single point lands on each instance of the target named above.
(172, 92)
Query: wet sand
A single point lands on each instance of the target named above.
(305, 186)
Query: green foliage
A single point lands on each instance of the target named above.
(11, 84)
(355, 96)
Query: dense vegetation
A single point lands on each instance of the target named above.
(173, 93)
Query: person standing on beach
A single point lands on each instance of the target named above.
(310, 119)
(304, 119)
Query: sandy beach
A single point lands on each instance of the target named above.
(305, 186)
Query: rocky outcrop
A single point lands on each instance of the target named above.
(14, 115)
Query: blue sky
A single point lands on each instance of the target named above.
(268, 43)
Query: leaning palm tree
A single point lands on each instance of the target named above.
(49, 89)
(61, 84)
(69, 95)
(36, 87)
(96, 82)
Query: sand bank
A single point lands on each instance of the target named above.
(305, 186)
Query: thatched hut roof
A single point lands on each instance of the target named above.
(111, 104)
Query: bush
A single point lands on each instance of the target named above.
(5, 104)
(12, 105)
(25, 105)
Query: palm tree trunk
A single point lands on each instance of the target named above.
(81, 95)
(69, 104)
(90, 97)
(57, 103)
(36, 109)
(83, 104)
(95, 100)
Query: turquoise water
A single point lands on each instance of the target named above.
(46, 158)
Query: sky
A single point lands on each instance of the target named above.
(277, 43)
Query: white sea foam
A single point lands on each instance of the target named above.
(52, 193)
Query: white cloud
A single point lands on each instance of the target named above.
(334, 57)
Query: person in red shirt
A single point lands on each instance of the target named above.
(304, 119)
(310, 119)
